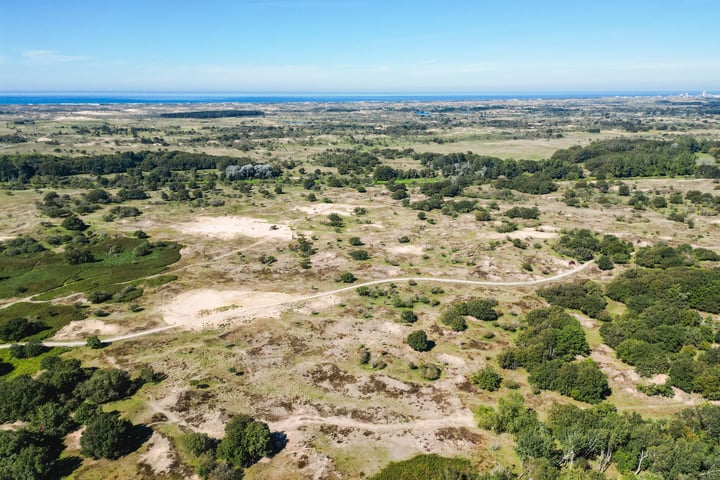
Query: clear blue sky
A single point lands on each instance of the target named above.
(367, 46)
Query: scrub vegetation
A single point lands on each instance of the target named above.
(484, 290)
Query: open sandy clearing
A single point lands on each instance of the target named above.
(205, 308)
(327, 208)
(159, 455)
(543, 232)
(81, 329)
(406, 250)
(231, 227)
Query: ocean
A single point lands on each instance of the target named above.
(27, 98)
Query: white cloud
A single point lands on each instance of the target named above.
(48, 57)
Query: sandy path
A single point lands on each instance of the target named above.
(295, 422)
(256, 308)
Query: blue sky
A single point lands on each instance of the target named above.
(364, 46)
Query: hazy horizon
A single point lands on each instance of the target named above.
(359, 46)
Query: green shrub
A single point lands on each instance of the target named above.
(487, 379)
(418, 341)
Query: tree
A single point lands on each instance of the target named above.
(18, 328)
(199, 443)
(360, 255)
(482, 309)
(106, 436)
(76, 256)
(408, 316)
(86, 412)
(487, 379)
(106, 385)
(347, 277)
(51, 419)
(418, 341)
(454, 319)
(73, 222)
(246, 441)
(94, 342)
(535, 442)
(605, 263)
(32, 462)
(335, 220)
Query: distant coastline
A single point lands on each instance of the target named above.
(80, 98)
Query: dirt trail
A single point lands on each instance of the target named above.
(295, 422)
(301, 299)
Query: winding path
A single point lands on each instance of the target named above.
(482, 283)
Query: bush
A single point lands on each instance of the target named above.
(335, 220)
(99, 297)
(246, 441)
(453, 319)
(94, 342)
(74, 223)
(426, 467)
(76, 256)
(86, 412)
(487, 379)
(18, 328)
(605, 263)
(31, 349)
(359, 255)
(199, 443)
(418, 341)
(523, 212)
(408, 316)
(106, 385)
(430, 372)
(347, 277)
(106, 436)
(481, 308)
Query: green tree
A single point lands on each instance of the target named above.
(347, 277)
(106, 436)
(335, 220)
(487, 378)
(94, 342)
(106, 385)
(75, 223)
(453, 319)
(86, 411)
(418, 341)
(408, 316)
(605, 263)
(18, 328)
(246, 441)
(51, 419)
(199, 443)
(32, 462)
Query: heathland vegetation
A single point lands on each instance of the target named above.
(486, 290)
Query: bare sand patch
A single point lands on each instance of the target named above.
(14, 425)
(206, 308)
(406, 250)
(451, 360)
(542, 232)
(81, 329)
(231, 227)
(159, 454)
(72, 440)
(327, 208)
